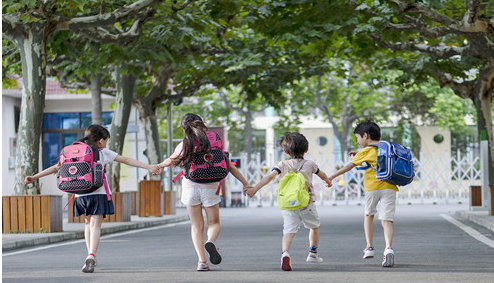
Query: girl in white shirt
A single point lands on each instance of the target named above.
(95, 205)
(198, 195)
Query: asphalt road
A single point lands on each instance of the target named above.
(428, 248)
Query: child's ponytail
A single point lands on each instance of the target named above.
(195, 142)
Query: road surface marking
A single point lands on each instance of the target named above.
(102, 238)
(470, 231)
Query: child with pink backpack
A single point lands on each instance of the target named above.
(93, 201)
(204, 164)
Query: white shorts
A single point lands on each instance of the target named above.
(196, 196)
(387, 203)
(293, 218)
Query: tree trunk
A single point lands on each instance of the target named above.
(123, 104)
(147, 116)
(96, 111)
(32, 47)
(482, 99)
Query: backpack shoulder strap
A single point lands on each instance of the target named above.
(367, 165)
(214, 140)
(299, 166)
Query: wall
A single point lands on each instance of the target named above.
(318, 151)
(8, 132)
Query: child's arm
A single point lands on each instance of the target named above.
(264, 181)
(343, 170)
(154, 169)
(240, 177)
(47, 171)
(169, 161)
(324, 178)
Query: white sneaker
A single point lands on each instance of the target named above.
(389, 257)
(89, 264)
(314, 257)
(369, 252)
(285, 261)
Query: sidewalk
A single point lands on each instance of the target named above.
(478, 217)
(73, 231)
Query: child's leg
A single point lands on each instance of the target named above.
(310, 217)
(87, 232)
(369, 229)
(314, 237)
(213, 216)
(286, 242)
(388, 232)
(387, 214)
(197, 229)
(95, 233)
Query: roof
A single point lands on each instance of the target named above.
(52, 87)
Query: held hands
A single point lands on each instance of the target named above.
(246, 189)
(155, 169)
(251, 191)
(352, 153)
(328, 183)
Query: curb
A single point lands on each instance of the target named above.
(44, 239)
(478, 217)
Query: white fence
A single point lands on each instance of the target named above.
(438, 179)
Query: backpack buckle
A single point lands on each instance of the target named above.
(208, 157)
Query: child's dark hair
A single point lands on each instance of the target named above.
(94, 133)
(196, 142)
(368, 127)
(294, 144)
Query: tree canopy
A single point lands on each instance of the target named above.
(348, 59)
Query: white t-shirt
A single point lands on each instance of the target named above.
(106, 156)
(188, 184)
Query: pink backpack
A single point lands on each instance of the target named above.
(80, 171)
(209, 168)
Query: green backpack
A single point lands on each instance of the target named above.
(292, 193)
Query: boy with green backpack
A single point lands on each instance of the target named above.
(296, 197)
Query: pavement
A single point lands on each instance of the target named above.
(72, 231)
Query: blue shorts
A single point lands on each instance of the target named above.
(93, 205)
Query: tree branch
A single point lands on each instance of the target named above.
(442, 50)
(463, 90)
(406, 6)
(104, 36)
(228, 105)
(472, 10)
(10, 26)
(79, 23)
(176, 7)
(426, 32)
(469, 24)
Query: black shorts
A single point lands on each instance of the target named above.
(93, 205)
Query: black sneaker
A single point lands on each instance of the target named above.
(214, 255)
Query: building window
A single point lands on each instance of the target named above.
(62, 129)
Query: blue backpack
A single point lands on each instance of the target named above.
(394, 164)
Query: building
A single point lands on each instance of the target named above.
(66, 115)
